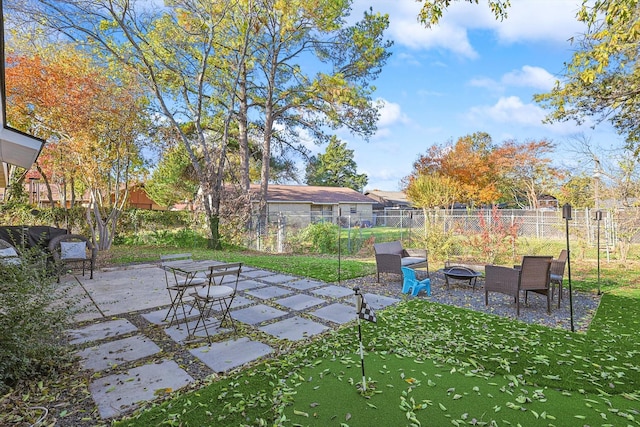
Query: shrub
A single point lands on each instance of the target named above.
(497, 238)
(321, 237)
(34, 311)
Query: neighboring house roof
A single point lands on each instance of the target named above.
(16, 148)
(313, 194)
(390, 199)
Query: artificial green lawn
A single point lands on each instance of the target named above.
(435, 365)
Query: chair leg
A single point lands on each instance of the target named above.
(172, 308)
(548, 303)
(202, 305)
(559, 293)
(225, 308)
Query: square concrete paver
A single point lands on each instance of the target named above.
(276, 279)
(336, 313)
(246, 284)
(112, 353)
(239, 301)
(116, 394)
(157, 317)
(101, 331)
(125, 290)
(257, 314)
(269, 292)
(303, 284)
(226, 355)
(333, 291)
(379, 301)
(179, 333)
(253, 274)
(294, 328)
(300, 302)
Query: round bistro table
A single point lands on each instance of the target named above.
(461, 273)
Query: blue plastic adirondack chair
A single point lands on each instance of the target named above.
(412, 284)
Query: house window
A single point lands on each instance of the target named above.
(321, 213)
(353, 210)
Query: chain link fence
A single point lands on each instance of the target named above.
(617, 229)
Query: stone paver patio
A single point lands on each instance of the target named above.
(122, 304)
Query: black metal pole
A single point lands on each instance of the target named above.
(361, 347)
(339, 232)
(599, 218)
(566, 214)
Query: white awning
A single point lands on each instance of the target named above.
(17, 149)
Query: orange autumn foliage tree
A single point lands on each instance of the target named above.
(487, 173)
(531, 172)
(473, 162)
(92, 122)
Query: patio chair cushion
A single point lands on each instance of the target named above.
(8, 252)
(391, 256)
(214, 292)
(9, 256)
(196, 281)
(73, 250)
(411, 260)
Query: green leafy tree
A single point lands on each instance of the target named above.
(577, 191)
(173, 180)
(292, 94)
(232, 69)
(432, 10)
(335, 168)
(189, 56)
(601, 80)
(429, 191)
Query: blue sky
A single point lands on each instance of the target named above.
(469, 74)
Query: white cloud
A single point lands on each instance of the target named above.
(540, 20)
(405, 29)
(551, 21)
(529, 76)
(487, 83)
(406, 58)
(511, 111)
(391, 114)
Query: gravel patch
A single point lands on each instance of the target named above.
(460, 294)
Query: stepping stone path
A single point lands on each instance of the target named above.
(134, 368)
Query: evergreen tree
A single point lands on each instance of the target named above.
(335, 168)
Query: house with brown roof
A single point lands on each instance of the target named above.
(304, 204)
(389, 200)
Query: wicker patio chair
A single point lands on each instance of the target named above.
(391, 257)
(556, 274)
(532, 276)
(71, 250)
